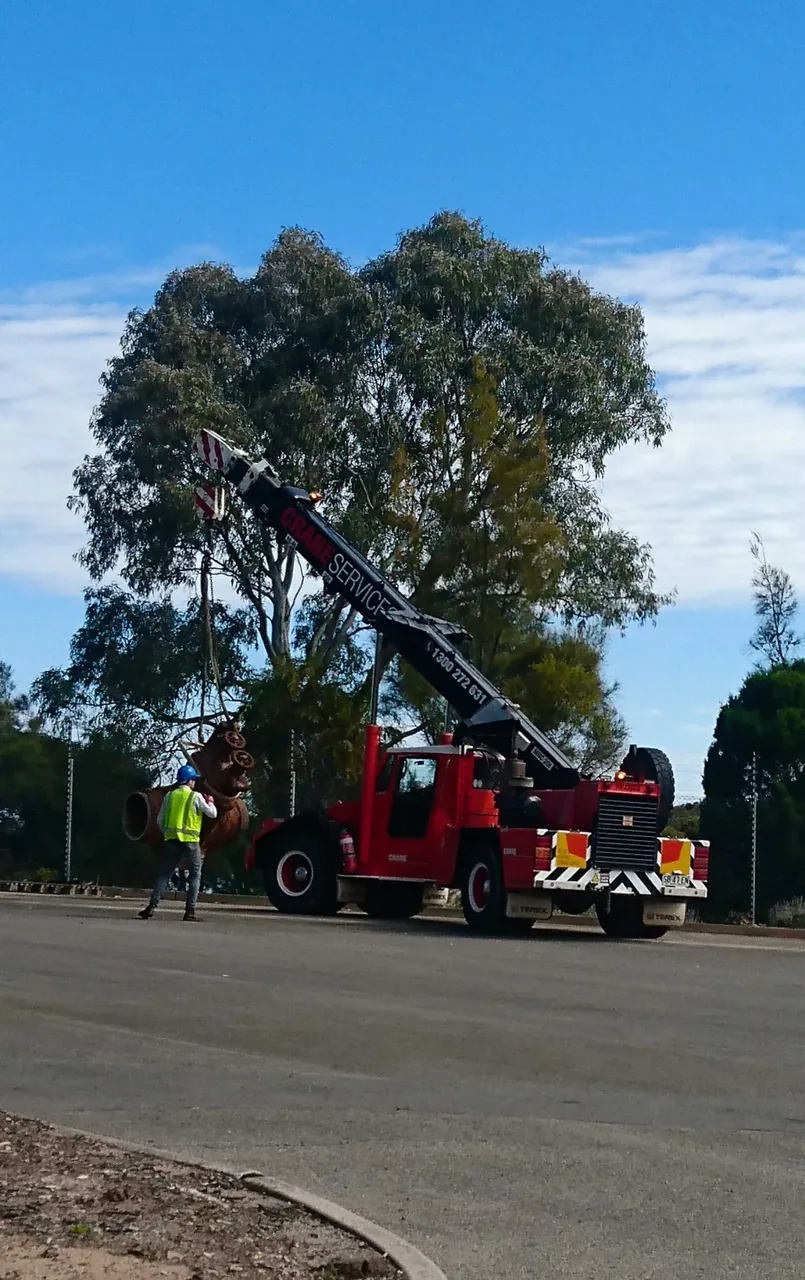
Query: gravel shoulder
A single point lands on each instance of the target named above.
(74, 1208)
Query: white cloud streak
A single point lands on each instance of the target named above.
(51, 356)
(725, 323)
(726, 333)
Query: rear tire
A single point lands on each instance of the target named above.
(300, 873)
(391, 900)
(573, 902)
(622, 917)
(518, 927)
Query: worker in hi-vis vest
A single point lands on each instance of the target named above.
(180, 823)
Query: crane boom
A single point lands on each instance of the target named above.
(430, 645)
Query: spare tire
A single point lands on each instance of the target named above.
(654, 766)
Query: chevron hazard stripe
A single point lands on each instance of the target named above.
(644, 884)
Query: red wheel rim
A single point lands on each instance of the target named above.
(480, 887)
(294, 873)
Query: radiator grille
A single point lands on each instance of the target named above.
(630, 845)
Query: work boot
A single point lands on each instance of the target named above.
(147, 913)
(191, 916)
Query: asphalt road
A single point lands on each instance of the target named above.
(556, 1106)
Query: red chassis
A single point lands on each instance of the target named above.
(434, 818)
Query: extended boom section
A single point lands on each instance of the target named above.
(431, 646)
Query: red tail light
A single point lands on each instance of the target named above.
(543, 853)
(701, 859)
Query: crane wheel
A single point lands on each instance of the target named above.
(391, 900)
(300, 873)
(483, 897)
(622, 917)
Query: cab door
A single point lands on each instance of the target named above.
(410, 815)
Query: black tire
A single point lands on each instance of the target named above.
(653, 765)
(622, 917)
(300, 873)
(483, 897)
(518, 927)
(573, 902)
(391, 900)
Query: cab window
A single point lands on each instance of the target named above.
(413, 797)
(416, 775)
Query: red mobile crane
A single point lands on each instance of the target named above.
(495, 810)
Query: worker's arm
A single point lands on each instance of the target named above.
(161, 814)
(205, 806)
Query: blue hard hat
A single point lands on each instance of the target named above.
(187, 774)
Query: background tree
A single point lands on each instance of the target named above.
(456, 400)
(136, 670)
(684, 821)
(765, 721)
(33, 782)
(767, 718)
(776, 607)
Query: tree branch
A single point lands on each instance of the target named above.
(244, 583)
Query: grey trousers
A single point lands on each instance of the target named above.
(174, 852)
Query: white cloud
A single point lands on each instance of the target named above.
(726, 333)
(725, 324)
(51, 356)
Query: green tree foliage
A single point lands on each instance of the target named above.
(767, 718)
(33, 774)
(568, 372)
(456, 400)
(496, 569)
(776, 607)
(328, 741)
(136, 668)
(764, 722)
(684, 821)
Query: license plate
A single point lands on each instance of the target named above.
(675, 880)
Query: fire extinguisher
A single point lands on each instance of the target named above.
(349, 861)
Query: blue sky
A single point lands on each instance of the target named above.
(656, 147)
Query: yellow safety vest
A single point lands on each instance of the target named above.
(182, 820)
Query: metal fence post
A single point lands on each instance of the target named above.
(754, 839)
(68, 835)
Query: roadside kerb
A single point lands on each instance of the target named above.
(405, 1256)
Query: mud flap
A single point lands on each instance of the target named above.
(664, 915)
(529, 906)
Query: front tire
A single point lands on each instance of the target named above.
(622, 917)
(300, 874)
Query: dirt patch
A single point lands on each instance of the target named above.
(25, 1260)
(75, 1209)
